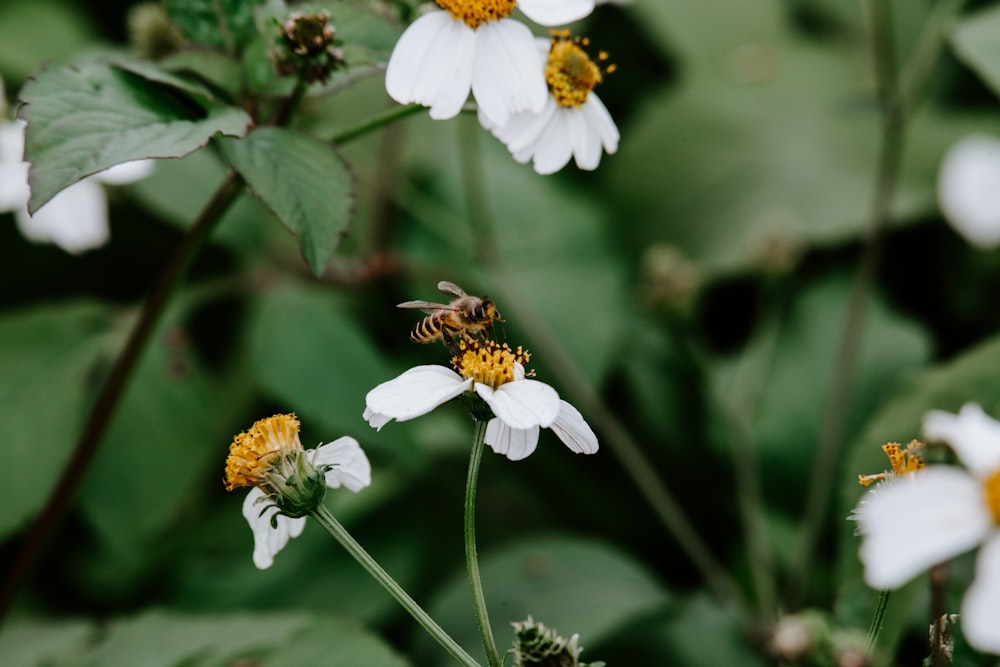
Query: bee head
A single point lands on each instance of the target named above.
(490, 312)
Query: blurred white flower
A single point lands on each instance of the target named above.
(288, 482)
(76, 219)
(969, 189)
(573, 121)
(520, 406)
(464, 45)
(919, 520)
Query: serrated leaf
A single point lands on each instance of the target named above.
(156, 74)
(976, 41)
(82, 120)
(573, 585)
(303, 181)
(49, 358)
(226, 24)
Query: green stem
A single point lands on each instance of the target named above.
(372, 124)
(471, 556)
(878, 620)
(328, 521)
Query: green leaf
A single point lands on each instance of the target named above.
(30, 642)
(307, 351)
(82, 120)
(157, 74)
(225, 24)
(570, 584)
(976, 40)
(303, 181)
(49, 358)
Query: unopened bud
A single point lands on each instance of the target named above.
(151, 32)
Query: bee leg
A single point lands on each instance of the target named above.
(452, 346)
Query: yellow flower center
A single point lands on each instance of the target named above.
(903, 461)
(488, 362)
(257, 451)
(991, 487)
(570, 72)
(477, 12)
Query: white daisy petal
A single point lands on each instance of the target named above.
(76, 219)
(573, 430)
(14, 190)
(431, 64)
(599, 122)
(554, 148)
(414, 393)
(126, 172)
(506, 77)
(973, 434)
(921, 520)
(522, 131)
(268, 540)
(352, 468)
(967, 190)
(555, 12)
(523, 404)
(980, 619)
(515, 444)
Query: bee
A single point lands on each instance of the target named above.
(465, 317)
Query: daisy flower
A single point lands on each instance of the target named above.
(572, 123)
(518, 406)
(916, 521)
(465, 45)
(968, 192)
(76, 219)
(287, 481)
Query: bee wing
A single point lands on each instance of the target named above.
(451, 288)
(425, 306)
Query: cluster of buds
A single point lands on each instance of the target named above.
(538, 646)
(307, 48)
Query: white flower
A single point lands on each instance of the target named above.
(930, 516)
(520, 406)
(76, 219)
(969, 189)
(573, 121)
(288, 482)
(472, 45)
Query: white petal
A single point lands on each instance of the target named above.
(599, 122)
(76, 219)
(522, 404)
(973, 434)
(573, 430)
(968, 191)
(431, 64)
(351, 466)
(554, 148)
(980, 619)
(555, 12)
(515, 444)
(14, 190)
(414, 393)
(506, 75)
(921, 520)
(268, 540)
(522, 131)
(126, 172)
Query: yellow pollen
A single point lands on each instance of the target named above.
(991, 487)
(488, 362)
(570, 72)
(474, 13)
(903, 461)
(256, 451)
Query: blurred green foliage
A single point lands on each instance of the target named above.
(697, 282)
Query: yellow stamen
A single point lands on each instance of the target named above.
(474, 13)
(570, 72)
(903, 461)
(488, 362)
(991, 487)
(256, 451)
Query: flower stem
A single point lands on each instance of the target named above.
(878, 620)
(471, 557)
(372, 124)
(328, 521)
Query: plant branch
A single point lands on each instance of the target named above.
(471, 554)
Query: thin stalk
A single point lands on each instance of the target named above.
(471, 555)
(358, 553)
(878, 620)
(834, 423)
(372, 124)
(939, 621)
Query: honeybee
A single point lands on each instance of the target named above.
(465, 317)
